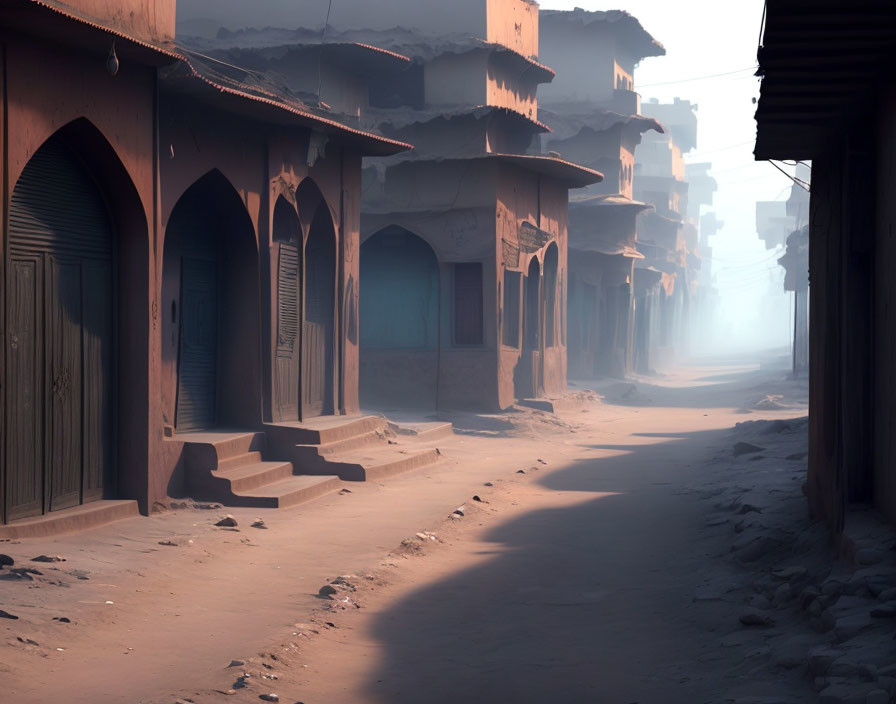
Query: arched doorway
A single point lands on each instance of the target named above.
(318, 330)
(68, 210)
(528, 378)
(288, 241)
(211, 295)
(399, 320)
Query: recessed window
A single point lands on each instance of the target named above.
(468, 304)
(511, 327)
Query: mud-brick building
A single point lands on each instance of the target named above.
(598, 53)
(666, 239)
(179, 260)
(828, 96)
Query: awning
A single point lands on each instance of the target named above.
(573, 175)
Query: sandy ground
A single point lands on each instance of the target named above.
(603, 573)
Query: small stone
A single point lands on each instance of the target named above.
(888, 594)
(237, 663)
(521, 471)
(269, 697)
(110, 602)
(327, 590)
(783, 594)
(868, 556)
(745, 448)
(345, 491)
(887, 610)
(476, 498)
(168, 543)
(62, 619)
(48, 558)
(259, 523)
(754, 618)
(6, 561)
(6, 614)
(488, 484)
(227, 522)
(459, 511)
(540, 461)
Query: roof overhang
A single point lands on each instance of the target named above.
(56, 22)
(820, 62)
(616, 201)
(573, 175)
(184, 78)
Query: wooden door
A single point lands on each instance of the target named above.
(197, 376)
(318, 327)
(288, 311)
(60, 445)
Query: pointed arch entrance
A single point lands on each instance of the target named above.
(211, 299)
(399, 320)
(75, 225)
(528, 380)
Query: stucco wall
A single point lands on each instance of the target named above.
(585, 62)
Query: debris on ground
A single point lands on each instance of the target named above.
(6, 561)
(48, 558)
(227, 522)
(168, 543)
(259, 523)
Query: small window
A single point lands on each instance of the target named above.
(511, 327)
(468, 304)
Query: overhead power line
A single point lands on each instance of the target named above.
(696, 78)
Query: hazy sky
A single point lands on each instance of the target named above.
(707, 38)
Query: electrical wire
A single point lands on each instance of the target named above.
(696, 78)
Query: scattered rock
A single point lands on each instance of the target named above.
(62, 619)
(783, 594)
(48, 558)
(345, 491)
(754, 618)
(886, 610)
(27, 641)
(521, 471)
(6, 614)
(488, 484)
(540, 461)
(227, 522)
(237, 663)
(459, 511)
(477, 498)
(328, 590)
(6, 561)
(868, 556)
(269, 697)
(23, 573)
(259, 523)
(745, 448)
(168, 543)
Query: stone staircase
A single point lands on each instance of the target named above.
(230, 467)
(359, 449)
(290, 463)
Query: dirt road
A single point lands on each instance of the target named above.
(575, 581)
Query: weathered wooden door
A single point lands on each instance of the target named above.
(318, 328)
(288, 313)
(59, 298)
(197, 367)
(529, 380)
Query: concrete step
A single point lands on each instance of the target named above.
(287, 492)
(323, 431)
(254, 475)
(373, 437)
(376, 464)
(423, 431)
(239, 461)
(70, 520)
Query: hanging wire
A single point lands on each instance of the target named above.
(798, 181)
(697, 78)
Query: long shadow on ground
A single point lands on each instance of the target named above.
(591, 601)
